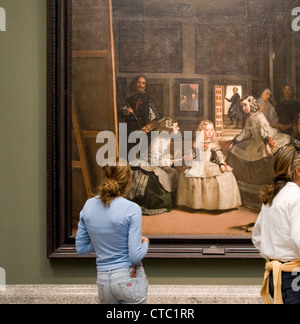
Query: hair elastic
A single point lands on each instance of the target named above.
(282, 178)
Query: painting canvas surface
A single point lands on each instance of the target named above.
(184, 52)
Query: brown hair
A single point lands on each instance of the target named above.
(285, 165)
(116, 180)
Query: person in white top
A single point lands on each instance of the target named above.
(277, 231)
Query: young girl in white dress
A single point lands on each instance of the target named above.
(209, 183)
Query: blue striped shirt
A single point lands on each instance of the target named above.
(114, 233)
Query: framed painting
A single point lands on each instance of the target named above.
(189, 97)
(185, 64)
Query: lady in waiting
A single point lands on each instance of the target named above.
(266, 107)
(251, 153)
(258, 139)
(154, 185)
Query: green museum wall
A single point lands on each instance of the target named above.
(23, 173)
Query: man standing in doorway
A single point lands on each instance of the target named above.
(235, 108)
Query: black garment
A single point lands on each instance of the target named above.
(287, 111)
(145, 111)
(290, 287)
(156, 197)
(235, 110)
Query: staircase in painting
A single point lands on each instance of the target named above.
(229, 131)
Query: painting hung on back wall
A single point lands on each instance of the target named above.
(219, 80)
(189, 100)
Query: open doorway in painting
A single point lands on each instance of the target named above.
(229, 118)
(233, 113)
(229, 93)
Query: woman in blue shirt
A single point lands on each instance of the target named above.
(111, 226)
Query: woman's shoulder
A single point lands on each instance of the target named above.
(293, 187)
(259, 118)
(92, 201)
(292, 197)
(120, 203)
(257, 115)
(127, 204)
(290, 194)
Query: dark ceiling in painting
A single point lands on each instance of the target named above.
(185, 9)
(213, 11)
